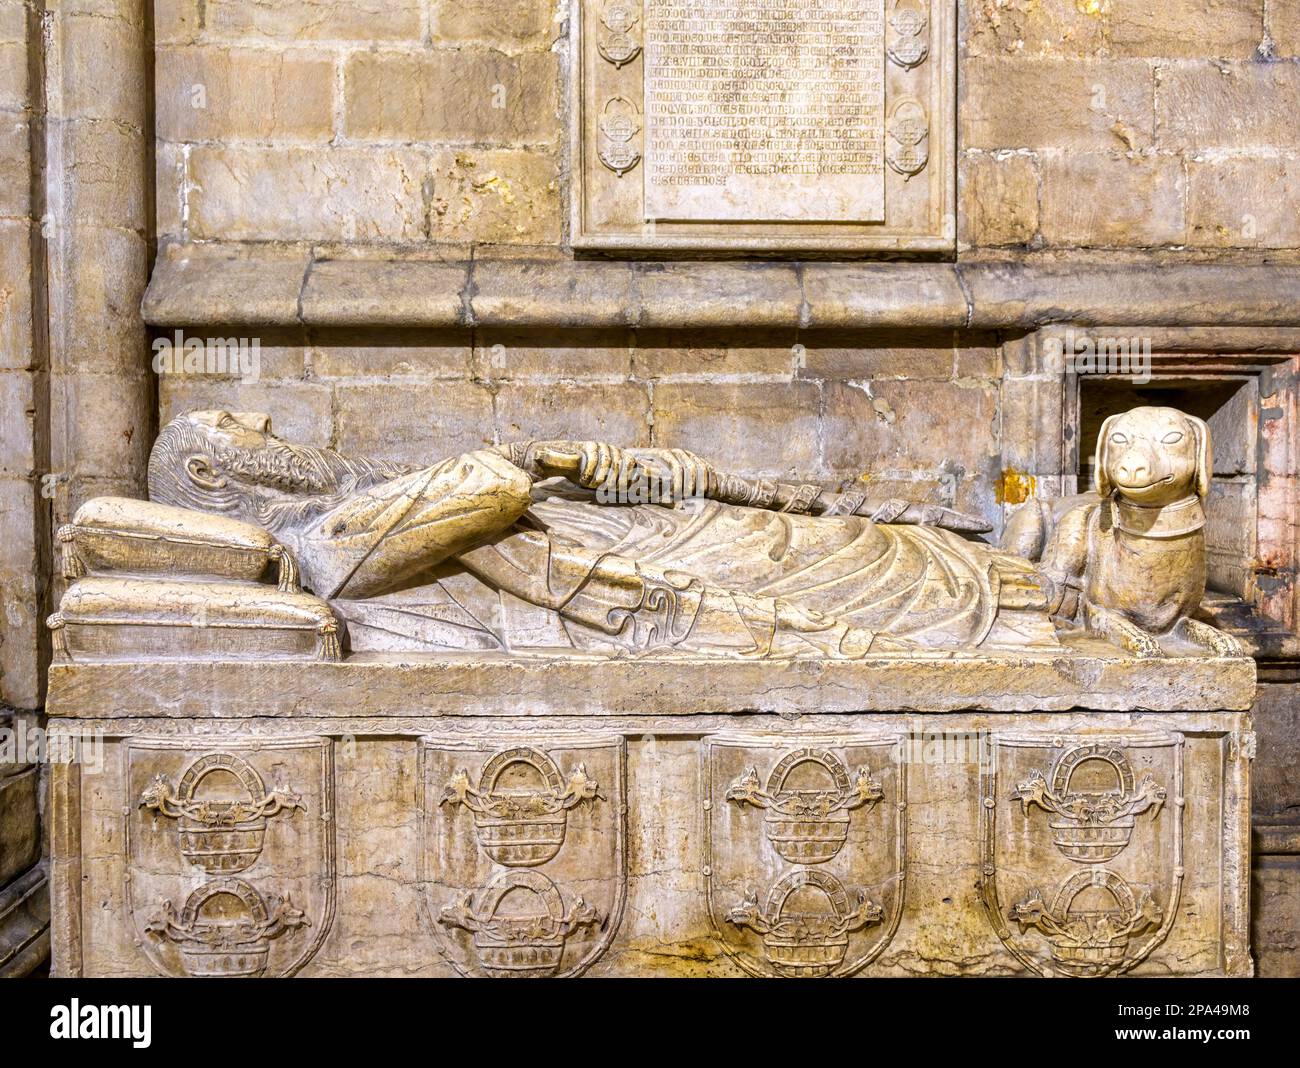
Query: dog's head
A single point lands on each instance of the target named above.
(1154, 456)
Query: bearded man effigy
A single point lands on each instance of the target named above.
(586, 546)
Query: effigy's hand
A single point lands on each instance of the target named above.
(676, 474)
(592, 465)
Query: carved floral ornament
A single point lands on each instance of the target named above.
(807, 826)
(806, 944)
(225, 928)
(220, 836)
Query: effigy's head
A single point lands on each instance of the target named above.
(224, 462)
(1154, 456)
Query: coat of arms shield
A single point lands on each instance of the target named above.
(1082, 843)
(524, 865)
(805, 844)
(230, 853)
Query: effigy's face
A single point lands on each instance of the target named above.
(241, 430)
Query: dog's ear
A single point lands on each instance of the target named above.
(1204, 456)
(1104, 488)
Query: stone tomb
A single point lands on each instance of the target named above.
(485, 815)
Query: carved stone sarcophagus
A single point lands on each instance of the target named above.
(662, 721)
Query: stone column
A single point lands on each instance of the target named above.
(24, 456)
(76, 395)
(99, 186)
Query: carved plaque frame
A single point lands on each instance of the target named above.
(607, 105)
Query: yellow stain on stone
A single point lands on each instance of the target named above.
(1094, 8)
(1014, 487)
(494, 183)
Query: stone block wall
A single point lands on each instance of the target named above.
(360, 121)
(1120, 125)
(1098, 124)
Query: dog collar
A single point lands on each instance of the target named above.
(1159, 521)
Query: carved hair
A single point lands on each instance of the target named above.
(168, 482)
(275, 486)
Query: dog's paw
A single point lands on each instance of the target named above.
(1215, 641)
(1142, 645)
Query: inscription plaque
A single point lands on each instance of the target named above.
(763, 126)
(765, 110)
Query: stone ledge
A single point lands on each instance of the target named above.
(274, 286)
(487, 685)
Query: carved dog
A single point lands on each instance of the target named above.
(1131, 566)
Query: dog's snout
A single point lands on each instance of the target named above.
(1133, 470)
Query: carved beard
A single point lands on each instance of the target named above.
(282, 485)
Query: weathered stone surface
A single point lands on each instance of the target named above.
(20, 842)
(16, 348)
(511, 23)
(351, 292)
(15, 175)
(1113, 200)
(1244, 203)
(208, 93)
(499, 196)
(872, 296)
(371, 353)
(242, 193)
(1276, 893)
(813, 296)
(205, 284)
(286, 20)
(18, 416)
(1222, 28)
(911, 427)
(583, 411)
(397, 420)
(461, 95)
(24, 924)
(999, 197)
(733, 419)
(552, 293)
(1207, 105)
(770, 294)
(1081, 105)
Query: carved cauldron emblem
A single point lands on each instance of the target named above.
(520, 924)
(617, 40)
(1089, 938)
(1092, 847)
(809, 824)
(521, 825)
(1091, 826)
(225, 928)
(909, 137)
(909, 44)
(620, 122)
(218, 832)
(524, 866)
(273, 916)
(806, 922)
(815, 886)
